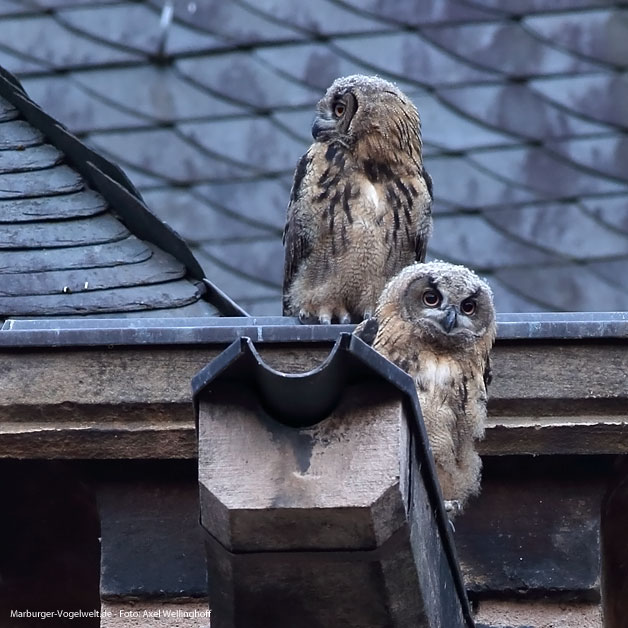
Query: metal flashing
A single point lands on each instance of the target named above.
(93, 332)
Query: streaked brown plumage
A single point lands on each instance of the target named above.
(360, 205)
(437, 322)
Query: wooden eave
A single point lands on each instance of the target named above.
(101, 389)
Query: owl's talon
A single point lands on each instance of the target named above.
(307, 319)
(345, 319)
(452, 506)
(324, 319)
(367, 331)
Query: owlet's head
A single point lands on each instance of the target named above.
(369, 111)
(449, 306)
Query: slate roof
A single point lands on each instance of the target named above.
(524, 120)
(75, 236)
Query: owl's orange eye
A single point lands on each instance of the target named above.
(431, 298)
(339, 110)
(468, 307)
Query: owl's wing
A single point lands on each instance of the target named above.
(423, 234)
(296, 244)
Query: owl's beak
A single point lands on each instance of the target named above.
(322, 125)
(450, 319)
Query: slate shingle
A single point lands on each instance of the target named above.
(42, 39)
(68, 250)
(600, 35)
(64, 233)
(127, 251)
(159, 268)
(18, 134)
(33, 158)
(253, 141)
(7, 111)
(447, 129)
(53, 181)
(565, 288)
(135, 27)
(78, 205)
(521, 7)
(163, 153)
(319, 17)
(200, 222)
(83, 111)
(241, 287)
(231, 21)
(174, 294)
(260, 202)
(429, 11)
(22, 65)
(16, 7)
(297, 122)
(561, 228)
(58, 4)
(611, 211)
(506, 48)
(613, 272)
(155, 93)
(260, 260)
(546, 175)
(607, 155)
(523, 123)
(407, 56)
(461, 183)
(243, 79)
(600, 97)
(314, 64)
(507, 300)
(470, 240)
(519, 110)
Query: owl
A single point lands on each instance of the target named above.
(436, 321)
(360, 204)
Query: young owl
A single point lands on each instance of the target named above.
(437, 322)
(360, 205)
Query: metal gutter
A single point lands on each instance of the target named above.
(94, 332)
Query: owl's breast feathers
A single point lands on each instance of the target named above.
(451, 386)
(358, 219)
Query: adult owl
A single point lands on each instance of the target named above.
(360, 204)
(437, 322)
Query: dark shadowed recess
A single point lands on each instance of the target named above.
(615, 549)
(49, 544)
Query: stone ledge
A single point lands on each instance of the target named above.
(181, 613)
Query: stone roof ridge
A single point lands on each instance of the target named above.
(76, 238)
